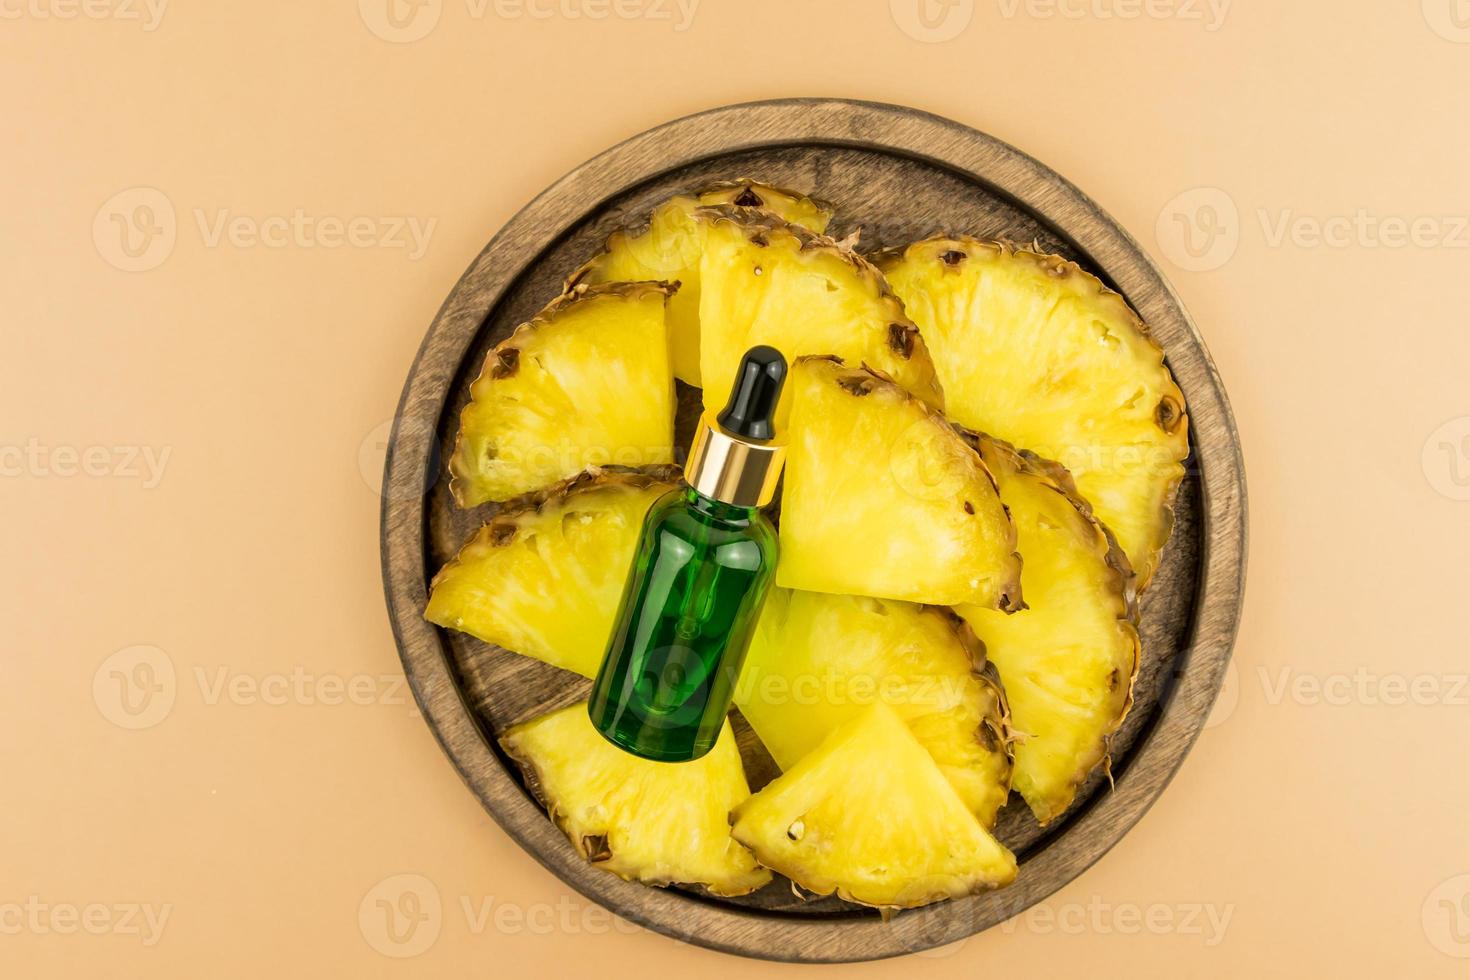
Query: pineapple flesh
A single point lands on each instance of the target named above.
(817, 660)
(869, 815)
(552, 398)
(544, 577)
(670, 246)
(1034, 350)
(764, 281)
(885, 498)
(1068, 660)
(654, 822)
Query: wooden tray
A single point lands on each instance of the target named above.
(898, 174)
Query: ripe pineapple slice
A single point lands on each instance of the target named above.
(1032, 349)
(553, 398)
(870, 816)
(670, 246)
(1069, 659)
(818, 660)
(654, 822)
(767, 282)
(544, 576)
(883, 497)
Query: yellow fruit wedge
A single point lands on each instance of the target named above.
(768, 282)
(883, 497)
(1068, 660)
(655, 822)
(544, 577)
(869, 816)
(554, 397)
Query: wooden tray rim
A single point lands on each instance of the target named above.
(1198, 670)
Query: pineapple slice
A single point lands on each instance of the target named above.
(1069, 659)
(670, 246)
(767, 282)
(818, 660)
(544, 577)
(1032, 349)
(553, 398)
(655, 822)
(870, 816)
(885, 498)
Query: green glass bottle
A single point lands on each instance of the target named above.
(700, 574)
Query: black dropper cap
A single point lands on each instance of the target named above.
(751, 411)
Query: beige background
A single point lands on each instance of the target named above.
(201, 701)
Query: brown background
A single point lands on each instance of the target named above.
(189, 457)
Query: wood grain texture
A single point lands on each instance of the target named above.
(896, 174)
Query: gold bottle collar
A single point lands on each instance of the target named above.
(741, 472)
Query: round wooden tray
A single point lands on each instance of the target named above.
(897, 174)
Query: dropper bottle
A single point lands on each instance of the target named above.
(700, 574)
